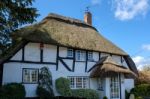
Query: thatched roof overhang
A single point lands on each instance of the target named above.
(108, 68)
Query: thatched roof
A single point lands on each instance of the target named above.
(108, 67)
(65, 31)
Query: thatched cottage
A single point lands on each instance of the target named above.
(70, 48)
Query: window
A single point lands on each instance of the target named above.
(78, 82)
(70, 53)
(90, 56)
(30, 75)
(80, 55)
(100, 84)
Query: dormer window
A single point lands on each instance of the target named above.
(80, 55)
(90, 56)
(70, 53)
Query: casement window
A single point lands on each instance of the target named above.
(70, 53)
(30, 75)
(78, 82)
(80, 55)
(90, 56)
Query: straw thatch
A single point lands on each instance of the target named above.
(64, 31)
(108, 67)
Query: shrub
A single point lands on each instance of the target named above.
(85, 93)
(12, 91)
(142, 90)
(139, 97)
(63, 86)
(44, 88)
(127, 94)
(43, 93)
(105, 97)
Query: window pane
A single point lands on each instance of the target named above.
(85, 82)
(26, 75)
(80, 55)
(34, 75)
(72, 84)
(78, 82)
(90, 55)
(70, 52)
(30, 76)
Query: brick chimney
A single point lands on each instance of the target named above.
(88, 18)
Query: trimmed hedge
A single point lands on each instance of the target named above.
(142, 90)
(105, 97)
(43, 93)
(63, 87)
(85, 93)
(12, 91)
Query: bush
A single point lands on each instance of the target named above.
(43, 93)
(63, 86)
(13, 91)
(105, 97)
(127, 94)
(44, 89)
(85, 93)
(142, 90)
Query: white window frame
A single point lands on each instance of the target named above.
(90, 56)
(69, 52)
(84, 84)
(28, 74)
(80, 55)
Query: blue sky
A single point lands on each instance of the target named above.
(124, 22)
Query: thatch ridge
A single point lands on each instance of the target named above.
(68, 20)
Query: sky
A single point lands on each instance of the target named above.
(124, 22)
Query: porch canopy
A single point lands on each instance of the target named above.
(107, 67)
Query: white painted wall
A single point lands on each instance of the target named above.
(62, 51)
(128, 84)
(17, 56)
(32, 52)
(49, 53)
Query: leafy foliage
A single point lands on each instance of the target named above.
(13, 14)
(62, 86)
(45, 81)
(42, 93)
(143, 78)
(105, 97)
(85, 93)
(12, 91)
(142, 90)
(127, 94)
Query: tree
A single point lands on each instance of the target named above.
(14, 14)
(144, 75)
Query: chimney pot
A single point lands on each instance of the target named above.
(88, 18)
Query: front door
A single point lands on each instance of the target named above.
(115, 87)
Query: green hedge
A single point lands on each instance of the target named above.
(142, 90)
(43, 93)
(12, 91)
(85, 93)
(63, 87)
